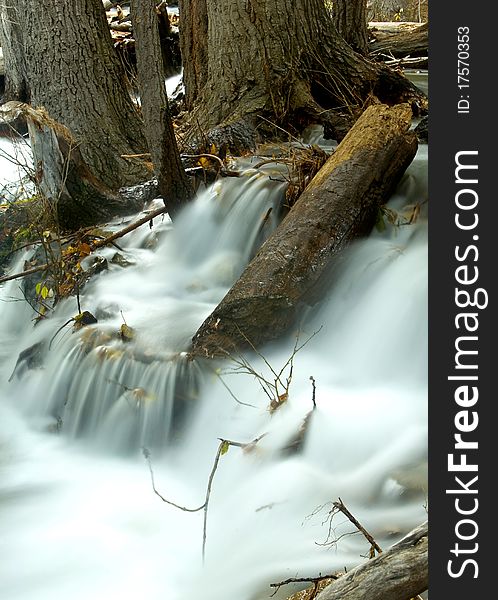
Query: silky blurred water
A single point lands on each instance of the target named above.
(78, 516)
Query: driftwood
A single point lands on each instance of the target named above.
(392, 26)
(400, 573)
(340, 204)
(413, 44)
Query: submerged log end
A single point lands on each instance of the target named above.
(243, 323)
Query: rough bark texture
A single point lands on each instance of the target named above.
(350, 20)
(283, 59)
(77, 197)
(173, 184)
(194, 47)
(340, 204)
(71, 70)
(406, 43)
(16, 87)
(400, 573)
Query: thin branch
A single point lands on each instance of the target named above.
(99, 244)
(222, 449)
(313, 397)
(146, 454)
(225, 385)
(24, 273)
(341, 507)
(131, 227)
(285, 131)
(303, 580)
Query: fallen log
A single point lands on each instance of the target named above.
(400, 573)
(392, 26)
(411, 44)
(340, 204)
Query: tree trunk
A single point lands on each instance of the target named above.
(400, 573)
(350, 20)
(173, 184)
(16, 87)
(77, 197)
(194, 47)
(281, 59)
(71, 69)
(340, 204)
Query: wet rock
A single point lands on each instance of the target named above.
(95, 265)
(30, 358)
(121, 261)
(141, 194)
(422, 130)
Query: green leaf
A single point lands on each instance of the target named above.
(44, 292)
(38, 288)
(224, 447)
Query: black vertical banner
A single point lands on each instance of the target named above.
(462, 315)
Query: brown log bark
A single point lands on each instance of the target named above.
(406, 43)
(400, 573)
(340, 204)
(174, 186)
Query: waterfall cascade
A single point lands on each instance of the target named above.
(78, 515)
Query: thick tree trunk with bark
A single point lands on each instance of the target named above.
(340, 204)
(173, 184)
(282, 59)
(71, 69)
(400, 573)
(350, 20)
(64, 179)
(194, 47)
(16, 87)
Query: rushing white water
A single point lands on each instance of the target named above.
(78, 516)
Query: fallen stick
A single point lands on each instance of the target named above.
(94, 246)
(399, 573)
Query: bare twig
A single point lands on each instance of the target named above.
(24, 273)
(131, 227)
(313, 398)
(316, 581)
(341, 507)
(225, 385)
(222, 449)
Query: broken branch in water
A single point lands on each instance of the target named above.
(223, 447)
(339, 506)
(99, 244)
